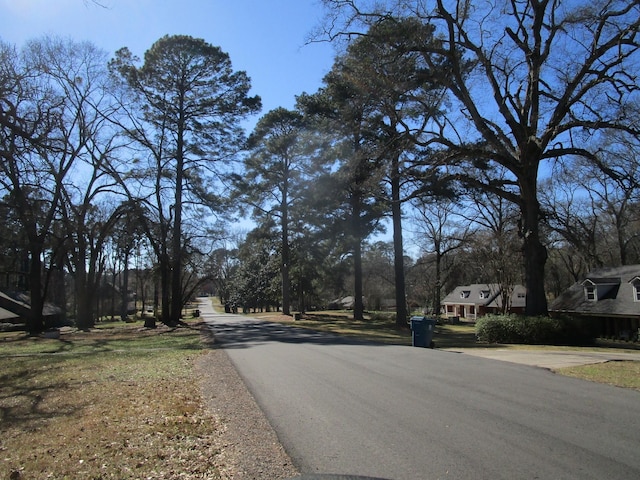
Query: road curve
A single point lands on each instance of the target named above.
(349, 407)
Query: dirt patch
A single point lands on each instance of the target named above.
(251, 449)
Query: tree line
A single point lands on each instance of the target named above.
(508, 131)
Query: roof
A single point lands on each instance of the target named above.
(6, 315)
(615, 293)
(19, 304)
(487, 294)
(602, 280)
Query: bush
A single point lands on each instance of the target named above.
(383, 316)
(534, 330)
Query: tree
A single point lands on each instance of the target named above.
(347, 111)
(402, 91)
(548, 76)
(87, 211)
(497, 243)
(53, 110)
(274, 178)
(255, 280)
(592, 205)
(612, 182)
(189, 103)
(443, 231)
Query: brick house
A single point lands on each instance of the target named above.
(472, 301)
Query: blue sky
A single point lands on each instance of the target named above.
(266, 38)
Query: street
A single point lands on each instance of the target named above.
(343, 406)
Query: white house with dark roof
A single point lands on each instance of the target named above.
(473, 301)
(610, 296)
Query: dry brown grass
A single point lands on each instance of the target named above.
(120, 403)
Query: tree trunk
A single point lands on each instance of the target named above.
(398, 247)
(83, 307)
(151, 322)
(35, 321)
(533, 251)
(124, 299)
(176, 271)
(84, 287)
(438, 287)
(286, 282)
(358, 305)
(165, 290)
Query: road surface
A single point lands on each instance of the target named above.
(348, 407)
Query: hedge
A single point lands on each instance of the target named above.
(539, 330)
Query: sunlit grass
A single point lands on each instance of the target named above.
(619, 373)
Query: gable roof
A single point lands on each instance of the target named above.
(487, 294)
(7, 316)
(615, 293)
(19, 304)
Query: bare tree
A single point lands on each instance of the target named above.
(442, 231)
(592, 205)
(548, 76)
(51, 137)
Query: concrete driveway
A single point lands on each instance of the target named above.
(550, 359)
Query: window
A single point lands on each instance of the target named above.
(636, 292)
(484, 294)
(465, 293)
(590, 293)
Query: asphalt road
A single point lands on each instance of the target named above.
(343, 406)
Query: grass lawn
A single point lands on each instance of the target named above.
(119, 402)
(621, 374)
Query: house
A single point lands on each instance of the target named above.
(8, 320)
(344, 303)
(15, 308)
(473, 301)
(609, 296)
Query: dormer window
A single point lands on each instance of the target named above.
(465, 293)
(600, 288)
(484, 293)
(635, 282)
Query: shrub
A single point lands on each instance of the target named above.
(383, 316)
(533, 330)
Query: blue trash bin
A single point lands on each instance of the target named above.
(422, 329)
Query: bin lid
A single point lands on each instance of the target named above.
(419, 319)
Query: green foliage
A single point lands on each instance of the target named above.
(540, 330)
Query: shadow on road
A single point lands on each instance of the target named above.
(251, 333)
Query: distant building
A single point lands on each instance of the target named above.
(609, 296)
(15, 308)
(473, 301)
